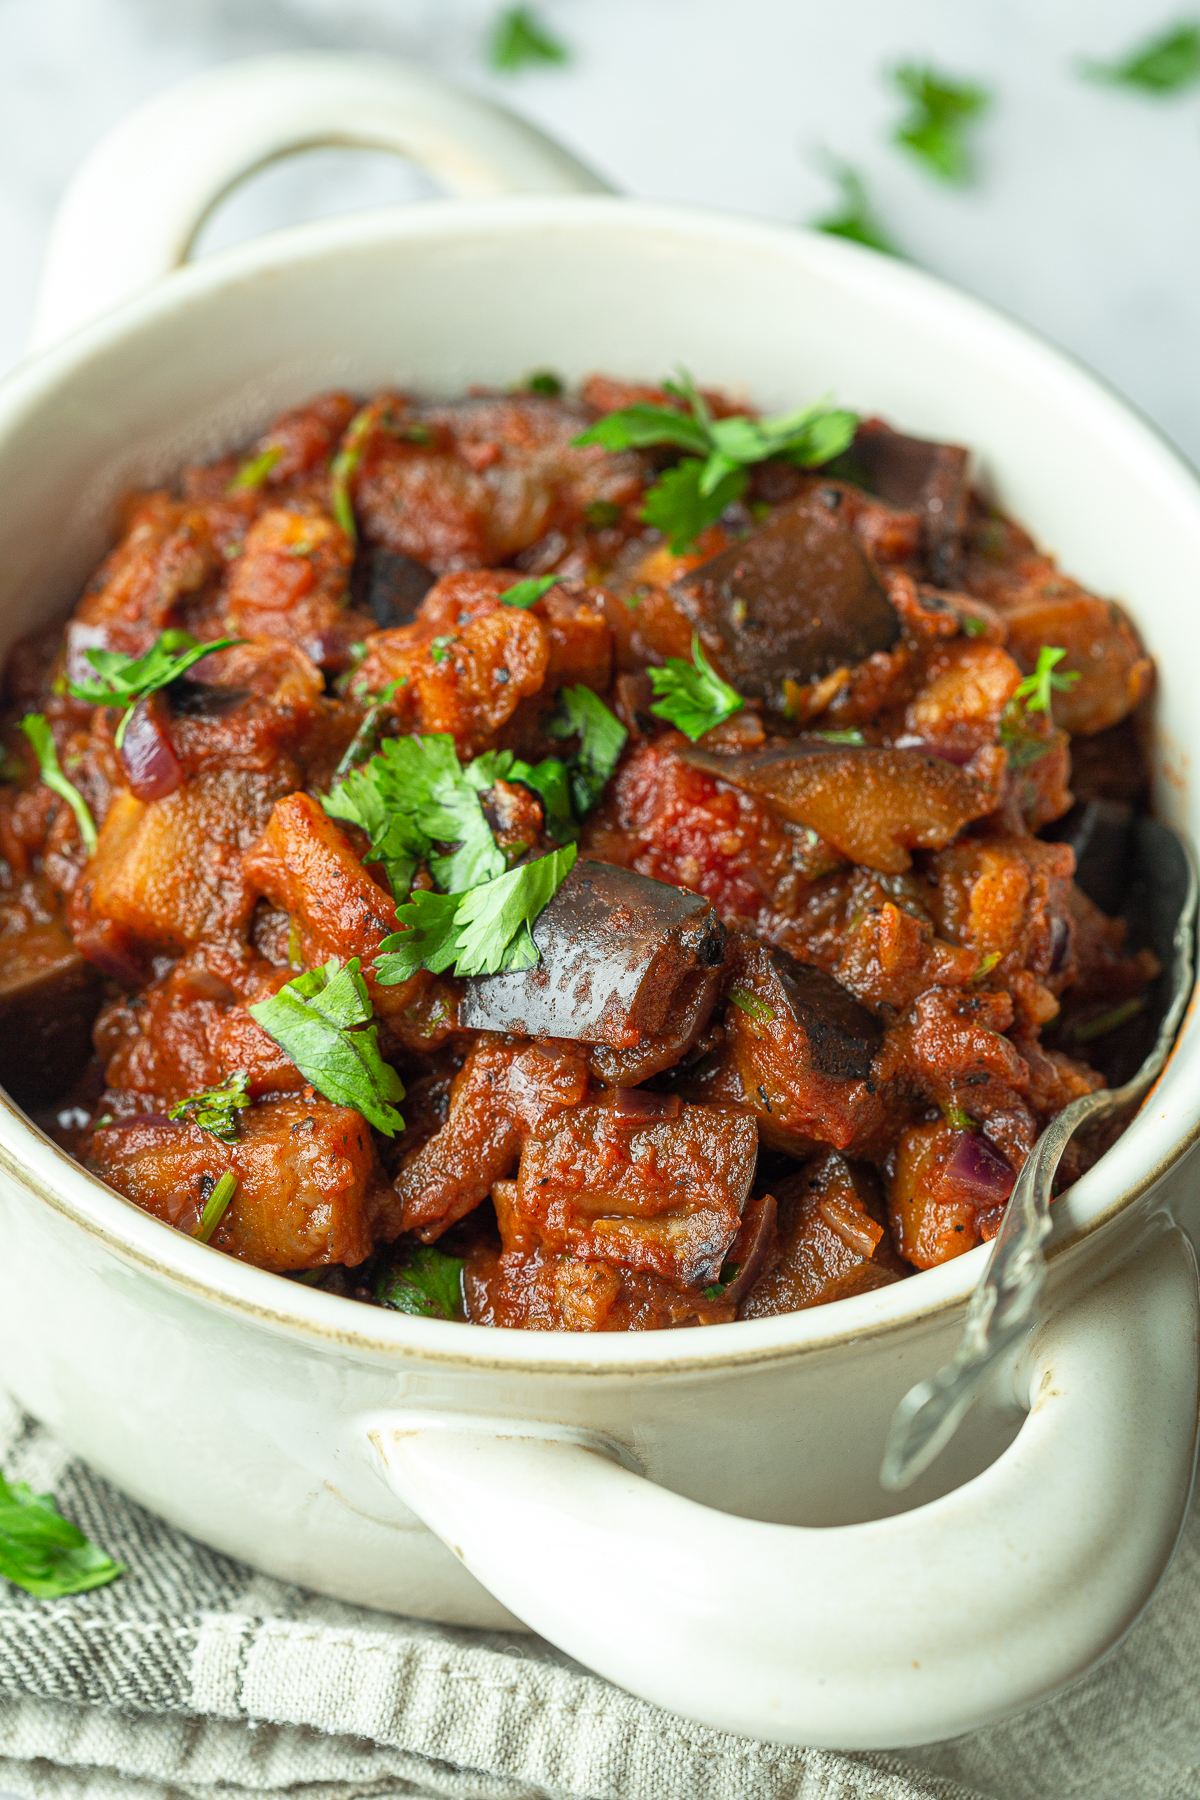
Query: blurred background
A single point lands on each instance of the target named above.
(1043, 153)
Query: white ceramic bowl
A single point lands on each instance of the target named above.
(695, 1514)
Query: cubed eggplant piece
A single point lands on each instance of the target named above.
(928, 477)
(49, 997)
(389, 585)
(841, 1035)
(793, 601)
(1101, 834)
(616, 948)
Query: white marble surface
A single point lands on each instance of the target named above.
(1084, 220)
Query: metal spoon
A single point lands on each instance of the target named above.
(1005, 1304)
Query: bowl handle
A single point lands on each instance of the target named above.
(133, 209)
(899, 1631)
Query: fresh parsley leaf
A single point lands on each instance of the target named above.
(692, 695)
(519, 41)
(321, 1020)
(854, 217)
(694, 494)
(549, 779)
(37, 730)
(426, 1283)
(366, 738)
(44, 1553)
(482, 932)
(255, 470)
(439, 649)
(527, 593)
(972, 625)
(216, 1206)
(345, 463)
(1166, 64)
(127, 679)
(411, 796)
(601, 741)
(716, 1289)
(935, 127)
(954, 1115)
(542, 381)
(1037, 690)
(216, 1109)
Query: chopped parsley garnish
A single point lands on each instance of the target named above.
(854, 217)
(37, 730)
(1166, 64)
(601, 741)
(484, 931)
(321, 1020)
(427, 1284)
(414, 795)
(519, 40)
(366, 738)
(216, 1109)
(716, 1289)
(935, 127)
(954, 1115)
(749, 1003)
(543, 381)
(44, 1553)
(216, 1206)
(851, 735)
(526, 593)
(439, 649)
(343, 466)
(973, 626)
(1087, 1029)
(692, 695)
(254, 472)
(124, 680)
(1034, 695)
(694, 494)
(986, 966)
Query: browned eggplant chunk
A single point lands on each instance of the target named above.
(617, 949)
(928, 477)
(792, 602)
(389, 585)
(832, 1241)
(873, 805)
(49, 997)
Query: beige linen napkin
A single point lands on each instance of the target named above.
(192, 1678)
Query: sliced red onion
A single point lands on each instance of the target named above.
(1060, 942)
(330, 648)
(151, 766)
(957, 754)
(977, 1165)
(152, 1118)
(637, 1106)
(79, 640)
(108, 949)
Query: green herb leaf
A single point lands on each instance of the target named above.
(973, 626)
(366, 738)
(1166, 64)
(525, 593)
(935, 127)
(482, 932)
(692, 695)
(678, 506)
(638, 427)
(1087, 1029)
(44, 1553)
(749, 1003)
(543, 381)
(850, 736)
(954, 1115)
(426, 1283)
(320, 1020)
(854, 217)
(216, 1206)
(986, 966)
(439, 649)
(37, 730)
(600, 514)
(127, 679)
(216, 1109)
(716, 1289)
(411, 796)
(519, 41)
(1036, 690)
(254, 472)
(343, 467)
(601, 741)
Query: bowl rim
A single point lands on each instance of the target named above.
(36, 1164)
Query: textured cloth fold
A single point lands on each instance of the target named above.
(192, 1676)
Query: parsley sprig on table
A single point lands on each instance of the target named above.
(1166, 64)
(37, 729)
(216, 1109)
(519, 40)
(935, 127)
(485, 931)
(693, 495)
(44, 1553)
(426, 1283)
(692, 695)
(854, 216)
(321, 1020)
(124, 680)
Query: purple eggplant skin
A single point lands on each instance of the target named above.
(843, 1037)
(923, 476)
(389, 585)
(616, 951)
(1101, 834)
(792, 602)
(49, 998)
